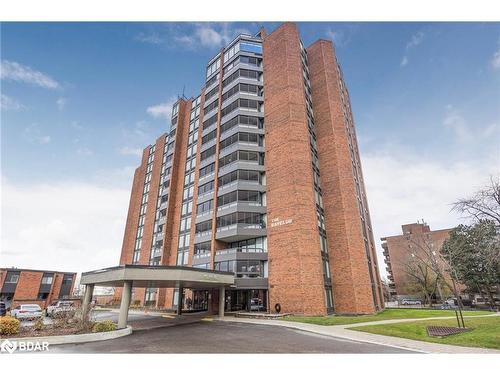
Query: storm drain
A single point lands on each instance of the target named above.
(436, 331)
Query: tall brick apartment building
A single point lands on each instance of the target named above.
(19, 286)
(398, 252)
(260, 175)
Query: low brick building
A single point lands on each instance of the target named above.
(398, 252)
(19, 286)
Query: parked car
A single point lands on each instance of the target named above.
(256, 304)
(3, 309)
(407, 301)
(30, 311)
(60, 307)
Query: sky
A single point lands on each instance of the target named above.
(79, 102)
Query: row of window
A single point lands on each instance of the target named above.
(239, 196)
(244, 60)
(241, 137)
(240, 103)
(242, 268)
(239, 174)
(243, 73)
(241, 87)
(248, 156)
(241, 218)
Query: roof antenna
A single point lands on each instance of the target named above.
(183, 88)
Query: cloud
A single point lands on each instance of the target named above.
(495, 61)
(130, 151)
(34, 134)
(65, 225)
(463, 131)
(61, 103)
(162, 110)
(152, 38)
(403, 188)
(14, 71)
(10, 104)
(338, 37)
(414, 41)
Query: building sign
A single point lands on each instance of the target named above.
(277, 222)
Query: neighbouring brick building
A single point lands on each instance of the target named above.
(260, 175)
(20, 286)
(398, 252)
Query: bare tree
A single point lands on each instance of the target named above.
(483, 204)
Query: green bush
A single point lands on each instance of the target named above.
(9, 325)
(104, 326)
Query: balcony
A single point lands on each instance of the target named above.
(242, 207)
(240, 253)
(203, 236)
(240, 232)
(201, 258)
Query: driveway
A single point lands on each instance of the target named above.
(225, 337)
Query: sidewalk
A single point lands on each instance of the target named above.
(341, 331)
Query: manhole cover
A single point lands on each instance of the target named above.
(445, 331)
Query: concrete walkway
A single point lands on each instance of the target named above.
(341, 331)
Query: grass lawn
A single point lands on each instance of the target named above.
(486, 332)
(383, 315)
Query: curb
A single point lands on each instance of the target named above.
(76, 339)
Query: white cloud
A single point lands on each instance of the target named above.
(404, 188)
(495, 61)
(464, 132)
(162, 110)
(209, 35)
(338, 37)
(152, 38)
(130, 151)
(10, 104)
(68, 226)
(14, 71)
(415, 40)
(34, 134)
(61, 103)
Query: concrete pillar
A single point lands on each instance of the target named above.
(179, 301)
(222, 300)
(87, 298)
(125, 303)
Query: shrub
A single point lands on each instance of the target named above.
(104, 326)
(38, 326)
(9, 325)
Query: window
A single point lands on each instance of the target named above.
(204, 226)
(240, 196)
(205, 188)
(251, 245)
(203, 247)
(204, 207)
(242, 87)
(240, 137)
(240, 103)
(212, 106)
(240, 174)
(244, 73)
(214, 67)
(209, 137)
(47, 279)
(207, 170)
(250, 121)
(212, 120)
(212, 80)
(211, 93)
(230, 52)
(207, 153)
(251, 47)
(248, 156)
(240, 218)
(12, 278)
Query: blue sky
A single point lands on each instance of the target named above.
(80, 100)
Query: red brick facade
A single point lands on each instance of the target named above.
(296, 276)
(28, 286)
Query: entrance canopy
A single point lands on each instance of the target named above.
(158, 277)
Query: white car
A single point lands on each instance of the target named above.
(31, 311)
(59, 307)
(410, 302)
